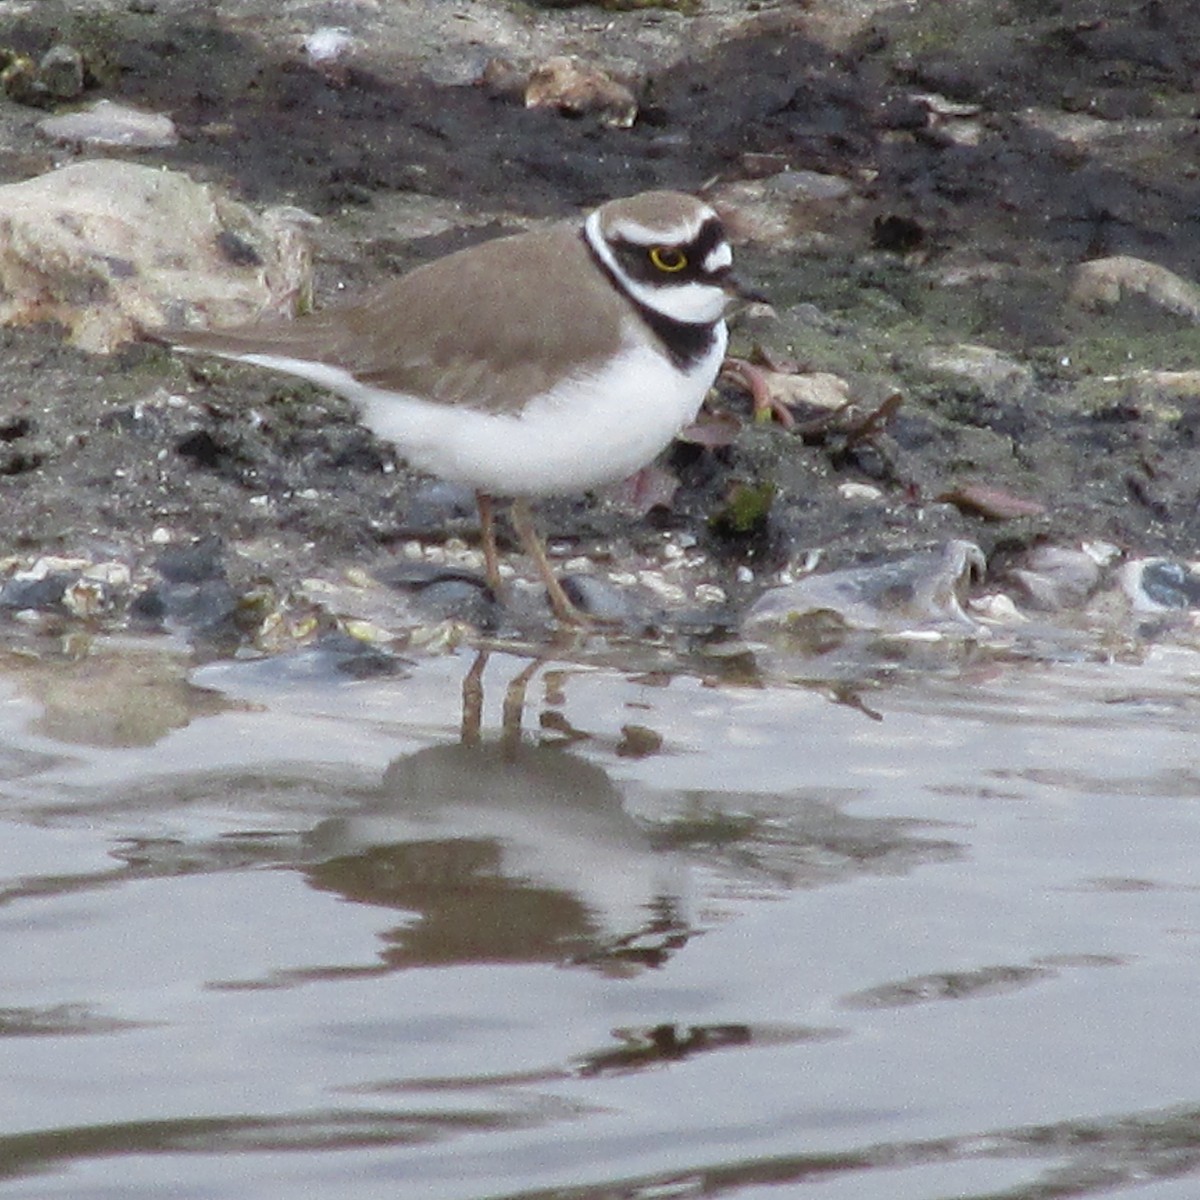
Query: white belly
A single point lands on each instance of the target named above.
(588, 433)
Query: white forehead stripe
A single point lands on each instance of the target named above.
(718, 257)
(642, 235)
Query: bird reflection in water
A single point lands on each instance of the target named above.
(507, 848)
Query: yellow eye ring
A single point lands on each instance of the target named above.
(668, 258)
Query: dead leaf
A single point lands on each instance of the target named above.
(651, 487)
(992, 503)
(712, 430)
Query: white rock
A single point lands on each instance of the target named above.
(327, 44)
(1102, 282)
(671, 593)
(859, 491)
(1102, 553)
(982, 365)
(109, 248)
(114, 574)
(997, 609)
(106, 123)
(710, 593)
(51, 564)
(813, 389)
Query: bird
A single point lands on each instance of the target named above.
(550, 362)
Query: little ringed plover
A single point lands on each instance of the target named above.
(548, 363)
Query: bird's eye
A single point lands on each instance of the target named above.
(668, 258)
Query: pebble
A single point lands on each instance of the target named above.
(107, 123)
(192, 562)
(1102, 283)
(669, 592)
(367, 631)
(901, 595)
(442, 637)
(85, 598)
(710, 593)
(577, 89)
(41, 593)
(61, 72)
(319, 587)
(599, 598)
(1101, 553)
(462, 600)
(996, 373)
(327, 44)
(111, 574)
(996, 608)
(1161, 584)
(859, 491)
(1051, 578)
(50, 564)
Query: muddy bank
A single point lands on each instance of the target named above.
(982, 154)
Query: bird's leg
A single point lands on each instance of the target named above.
(487, 535)
(522, 522)
(472, 721)
(514, 706)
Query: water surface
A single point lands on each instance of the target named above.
(497, 927)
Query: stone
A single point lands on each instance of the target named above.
(992, 371)
(109, 249)
(61, 72)
(577, 89)
(921, 590)
(106, 123)
(1103, 282)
